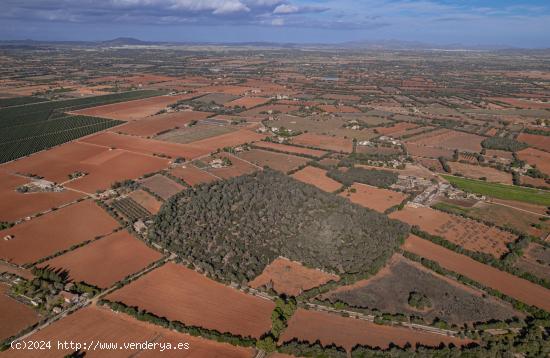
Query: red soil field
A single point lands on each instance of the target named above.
(232, 139)
(93, 324)
(477, 172)
(178, 293)
(506, 283)
(227, 89)
(192, 175)
(318, 177)
(338, 109)
(290, 149)
(55, 231)
(536, 157)
(145, 146)
(278, 161)
(146, 200)
(428, 152)
(448, 139)
(15, 205)
(135, 109)
(14, 315)
(147, 78)
(324, 142)
(492, 153)
(103, 165)
(341, 97)
(469, 234)
(521, 103)
(398, 127)
(538, 141)
(105, 261)
(539, 209)
(347, 332)
(162, 186)
(123, 165)
(263, 111)
(153, 125)
(57, 163)
(238, 167)
(373, 198)
(291, 277)
(247, 102)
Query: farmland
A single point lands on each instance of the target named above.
(195, 133)
(48, 234)
(145, 146)
(501, 191)
(43, 111)
(536, 158)
(247, 102)
(291, 278)
(198, 302)
(30, 138)
(537, 141)
(277, 161)
(131, 110)
(146, 200)
(290, 149)
(264, 196)
(448, 139)
(105, 261)
(102, 165)
(154, 125)
(14, 315)
(192, 175)
(390, 290)
(467, 233)
(323, 142)
(347, 332)
(506, 283)
(236, 167)
(536, 260)
(373, 198)
(15, 205)
(501, 215)
(476, 172)
(317, 177)
(99, 324)
(162, 186)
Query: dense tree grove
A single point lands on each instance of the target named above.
(233, 229)
(502, 143)
(379, 178)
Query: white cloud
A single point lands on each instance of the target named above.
(286, 9)
(278, 22)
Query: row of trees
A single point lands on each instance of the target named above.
(379, 178)
(503, 143)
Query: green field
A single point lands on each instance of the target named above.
(501, 191)
(18, 101)
(23, 140)
(43, 111)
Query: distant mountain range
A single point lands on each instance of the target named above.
(352, 45)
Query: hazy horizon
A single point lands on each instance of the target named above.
(510, 23)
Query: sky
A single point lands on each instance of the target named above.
(511, 23)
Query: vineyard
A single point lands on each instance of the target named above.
(130, 209)
(23, 140)
(18, 101)
(32, 113)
